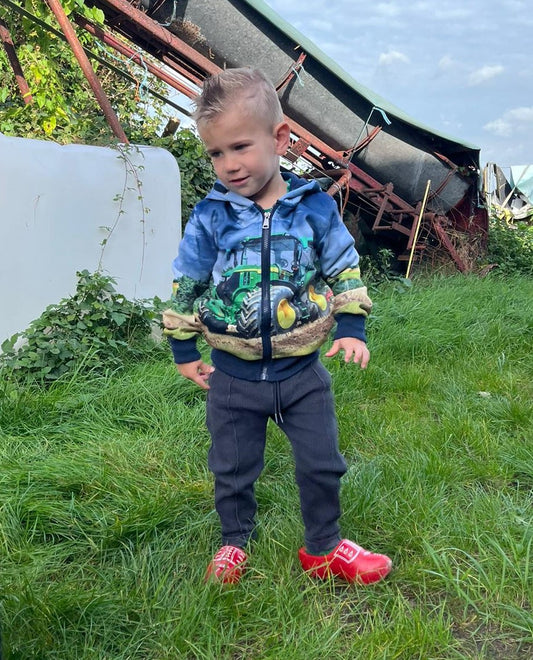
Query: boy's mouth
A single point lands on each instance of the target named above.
(239, 182)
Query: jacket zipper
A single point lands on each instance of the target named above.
(266, 320)
(265, 290)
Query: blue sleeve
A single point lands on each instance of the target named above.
(350, 325)
(184, 350)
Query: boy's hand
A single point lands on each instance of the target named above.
(354, 349)
(197, 371)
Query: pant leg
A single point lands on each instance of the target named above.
(310, 423)
(237, 416)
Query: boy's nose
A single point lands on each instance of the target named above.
(231, 164)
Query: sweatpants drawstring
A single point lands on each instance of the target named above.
(278, 417)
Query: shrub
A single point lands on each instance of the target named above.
(92, 330)
(196, 172)
(510, 246)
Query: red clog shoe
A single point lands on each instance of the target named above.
(348, 561)
(227, 566)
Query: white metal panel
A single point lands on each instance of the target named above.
(57, 204)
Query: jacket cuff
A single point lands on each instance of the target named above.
(350, 325)
(184, 350)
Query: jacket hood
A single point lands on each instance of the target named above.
(298, 188)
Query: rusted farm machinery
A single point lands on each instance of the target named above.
(400, 184)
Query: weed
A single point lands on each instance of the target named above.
(89, 331)
(510, 246)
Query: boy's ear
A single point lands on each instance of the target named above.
(282, 134)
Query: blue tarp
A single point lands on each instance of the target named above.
(522, 179)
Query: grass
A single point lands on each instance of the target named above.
(107, 517)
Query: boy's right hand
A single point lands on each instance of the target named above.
(197, 371)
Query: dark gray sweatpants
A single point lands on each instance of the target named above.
(237, 416)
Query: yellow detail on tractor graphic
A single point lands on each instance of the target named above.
(286, 315)
(318, 298)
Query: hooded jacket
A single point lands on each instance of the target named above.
(265, 287)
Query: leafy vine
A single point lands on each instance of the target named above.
(130, 169)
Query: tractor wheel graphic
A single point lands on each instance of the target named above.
(248, 317)
(209, 319)
(316, 303)
(283, 314)
(318, 299)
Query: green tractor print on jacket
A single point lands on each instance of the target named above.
(234, 304)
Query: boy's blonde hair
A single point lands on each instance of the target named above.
(245, 85)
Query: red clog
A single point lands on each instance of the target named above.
(348, 561)
(227, 566)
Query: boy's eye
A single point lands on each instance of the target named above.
(240, 147)
(214, 154)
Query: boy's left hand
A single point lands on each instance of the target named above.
(354, 349)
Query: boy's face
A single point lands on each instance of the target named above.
(245, 154)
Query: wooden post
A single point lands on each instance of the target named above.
(418, 223)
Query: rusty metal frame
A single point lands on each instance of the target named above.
(392, 213)
(293, 71)
(436, 222)
(122, 48)
(87, 69)
(157, 40)
(9, 47)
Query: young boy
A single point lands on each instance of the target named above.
(264, 270)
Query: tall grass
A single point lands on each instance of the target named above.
(107, 518)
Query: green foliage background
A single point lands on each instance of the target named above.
(93, 331)
(511, 245)
(64, 108)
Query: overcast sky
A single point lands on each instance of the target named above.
(462, 67)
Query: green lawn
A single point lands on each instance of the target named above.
(107, 517)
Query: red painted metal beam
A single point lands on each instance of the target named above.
(392, 212)
(133, 55)
(158, 34)
(11, 53)
(128, 19)
(87, 69)
(436, 222)
(171, 45)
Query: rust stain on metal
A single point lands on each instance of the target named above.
(186, 50)
(133, 55)
(14, 61)
(87, 69)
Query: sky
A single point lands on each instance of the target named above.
(460, 67)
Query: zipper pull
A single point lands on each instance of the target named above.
(266, 219)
